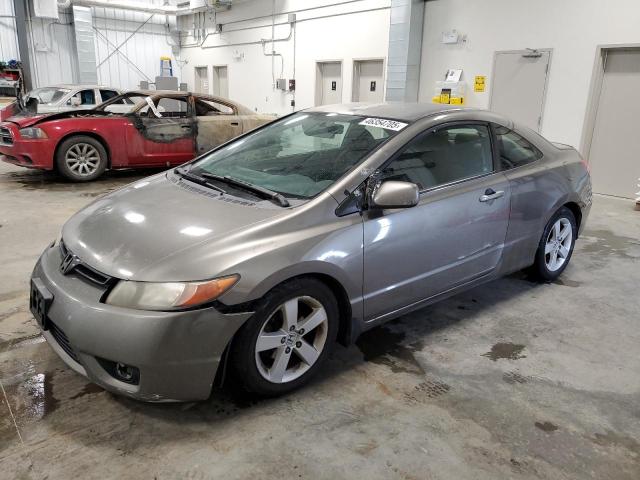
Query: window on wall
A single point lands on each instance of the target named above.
(443, 156)
(513, 149)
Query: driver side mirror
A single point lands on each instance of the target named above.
(75, 101)
(395, 194)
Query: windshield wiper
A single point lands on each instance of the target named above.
(261, 191)
(197, 179)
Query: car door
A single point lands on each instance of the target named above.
(457, 231)
(217, 123)
(161, 134)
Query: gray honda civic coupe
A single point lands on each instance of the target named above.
(251, 261)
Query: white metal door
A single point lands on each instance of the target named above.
(220, 81)
(367, 81)
(615, 146)
(519, 85)
(329, 83)
(202, 79)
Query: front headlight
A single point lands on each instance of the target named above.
(168, 296)
(33, 132)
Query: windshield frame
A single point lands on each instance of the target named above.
(361, 117)
(66, 91)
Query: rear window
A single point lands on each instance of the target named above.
(514, 149)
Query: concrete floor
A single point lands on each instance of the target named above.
(512, 379)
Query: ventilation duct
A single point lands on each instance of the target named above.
(405, 50)
(85, 45)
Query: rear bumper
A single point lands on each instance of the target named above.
(26, 153)
(177, 353)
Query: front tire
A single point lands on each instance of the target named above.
(289, 337)
(81, 158)
(556, 246)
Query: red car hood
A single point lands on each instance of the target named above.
(24, 121)
(7, 111)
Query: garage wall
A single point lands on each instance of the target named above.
(54, 60)
(572, 28)
(8, 39)
(139, 57)
(338, 30)
(52, 49)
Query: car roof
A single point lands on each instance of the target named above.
(403, 111)
(77, 85)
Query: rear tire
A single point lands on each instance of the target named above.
(556, 246)
(81, 158)
(286, 341)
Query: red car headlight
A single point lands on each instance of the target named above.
(33, 133)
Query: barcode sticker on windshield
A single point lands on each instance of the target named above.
(384, 123)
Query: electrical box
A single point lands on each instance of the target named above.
(45, 9)
(281, 84)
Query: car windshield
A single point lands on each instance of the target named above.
(300, 155)
(47, 95)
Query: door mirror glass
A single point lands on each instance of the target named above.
(395, 194)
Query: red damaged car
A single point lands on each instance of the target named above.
(135, 129)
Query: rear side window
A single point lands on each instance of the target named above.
(514, 149)
(209, 108)
(108, 95)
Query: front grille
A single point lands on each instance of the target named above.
(86, 271)
(62, 340)
(5, 136)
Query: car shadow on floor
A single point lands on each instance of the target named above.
(392, 344)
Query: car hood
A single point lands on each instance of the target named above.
(7, 111)
(25, 120)
(161, 220)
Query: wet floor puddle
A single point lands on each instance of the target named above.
(507, 351)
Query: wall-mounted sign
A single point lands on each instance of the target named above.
(479, 83)
(334, 85)
(372, 87)
(445, 95)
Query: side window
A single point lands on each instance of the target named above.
(514, 149)
(210, 108)
(172, 107)
(443, 156)
(87, 97)
(108, 95)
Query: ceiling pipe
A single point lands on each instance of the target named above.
(135, 6)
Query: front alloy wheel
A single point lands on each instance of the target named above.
(287, 339)
(291, 340)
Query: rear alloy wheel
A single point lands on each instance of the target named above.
(81, 158)
(556, 246)
(287, 339)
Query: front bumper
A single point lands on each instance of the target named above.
(31, 153)
(177, 353)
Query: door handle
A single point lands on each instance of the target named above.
(235, 124)
(491, 194)
(186, 127)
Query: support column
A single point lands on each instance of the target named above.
(405, 50)
(20, 10)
